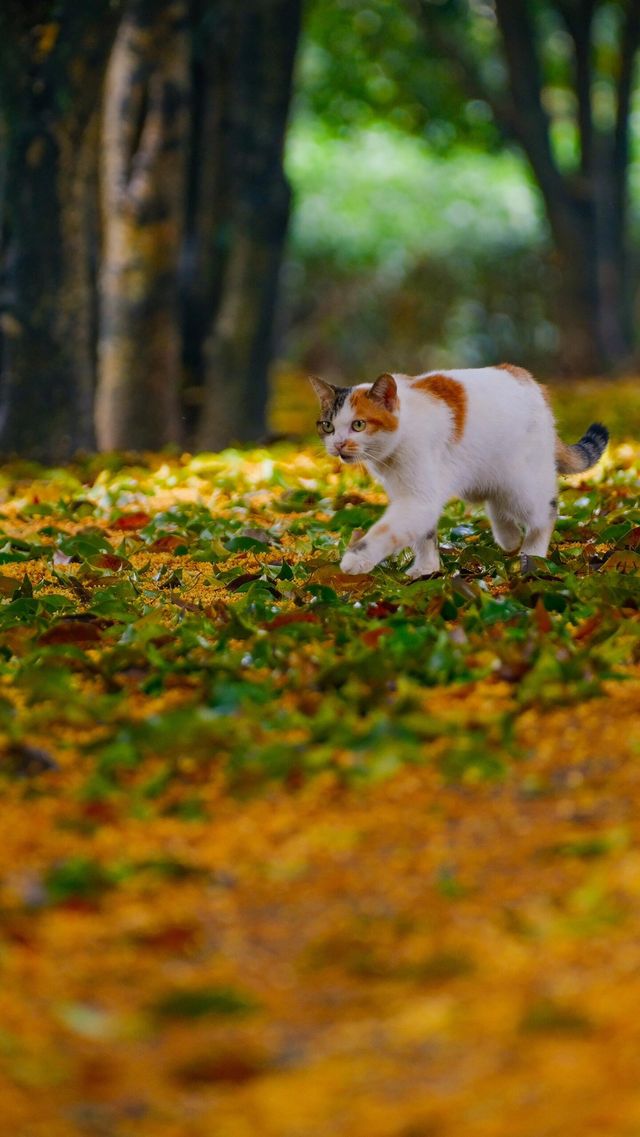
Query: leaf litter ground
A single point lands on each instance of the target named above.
(295, 853)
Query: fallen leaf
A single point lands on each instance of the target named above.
(543, 619)
(80, 633)
(292, 618)
(26, 761)
(623, 561)
(132, 521)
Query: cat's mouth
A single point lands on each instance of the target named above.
(348, 457)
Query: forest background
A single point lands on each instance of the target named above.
(459, 179)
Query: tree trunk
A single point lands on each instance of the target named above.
(576, 261)
(590, 233)
(586, 211)
(144, 179)
(262, 41)
(51, 84)
(209, 207)
(78, 299)
(586, 208)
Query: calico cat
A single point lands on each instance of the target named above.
(481, 434)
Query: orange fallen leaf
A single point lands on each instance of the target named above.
(542, 617)
(372, 637)
(132, 521)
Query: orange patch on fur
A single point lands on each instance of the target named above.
(524, 376)
(452, 393)
(375, 415)
(568, 458)
(518, 372)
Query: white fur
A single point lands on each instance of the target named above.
(505, 457)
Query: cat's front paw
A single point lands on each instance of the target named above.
(428, 568)
(356, 562)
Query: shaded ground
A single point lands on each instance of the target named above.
(297, 854)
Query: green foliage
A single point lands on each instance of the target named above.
(408, 256)
(77, 879)
(418, 239)
(224, 638)
(418, 204)
(436, 70)
(548, 1017)
(363, 65)
(193, 1003)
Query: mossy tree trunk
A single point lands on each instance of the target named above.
(246, 105)
(145, 137)
(52, 63)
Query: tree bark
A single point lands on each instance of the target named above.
(209, 206)
(261, 42)
(52, 74)
(145, 137)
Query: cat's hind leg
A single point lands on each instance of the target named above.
(539, 528)
(534, 507)
(506, 530)
(427, 558)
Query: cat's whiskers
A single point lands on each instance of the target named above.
(385, 463)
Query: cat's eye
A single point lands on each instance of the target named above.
(325, 426)
(358, 424)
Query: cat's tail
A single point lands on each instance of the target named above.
(583, 454)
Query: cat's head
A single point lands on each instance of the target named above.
(360, 422)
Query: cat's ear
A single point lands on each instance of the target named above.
(325, 392)
(384, 391)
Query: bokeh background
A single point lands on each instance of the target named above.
(203, 200)
(427, 202)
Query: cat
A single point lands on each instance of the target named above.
(480, 434)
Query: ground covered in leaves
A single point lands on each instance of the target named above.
(298, 854)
